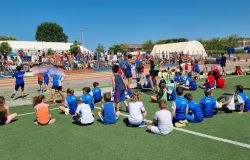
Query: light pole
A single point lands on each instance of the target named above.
(82, 30)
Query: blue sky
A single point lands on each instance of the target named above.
(127, 21)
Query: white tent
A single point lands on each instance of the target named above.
(43, 46)
(192, 48)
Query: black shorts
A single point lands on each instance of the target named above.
(18, 86)
(223, 65)
(154, 73)
(57, 88)
(40, 82)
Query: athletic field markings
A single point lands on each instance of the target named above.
(244, 145)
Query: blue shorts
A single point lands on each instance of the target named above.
(119, 96)
(209, 86)
(190, 118)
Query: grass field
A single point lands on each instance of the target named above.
(63, 140)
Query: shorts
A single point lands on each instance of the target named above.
(46, 82)
(223, 65)
(57, 88)
(209, 86)
(154, 73)
(128, 75)
(156, 130)
(19, 85)
(97, 101)
(40, 82)
(119, 96)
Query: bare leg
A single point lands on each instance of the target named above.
(52, 121)
(53, 95)
(153, 98)
(151, 82)
(10, 118)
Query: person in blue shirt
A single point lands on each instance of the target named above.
(70, 103)
(180, 109)
(119, 88)
(19, 76)
(191, 83)
(96, 93)
(128, 73)
(57, 83)
(147, 83)
(243, 99)
(197, 68)
(178, 79)
(209, 104)
(87, 98)
(195, 113)
(46, 82)
(108, 114)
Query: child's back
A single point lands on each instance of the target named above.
(164, 121)
(71, 102)
(119, 83)
(208, 103)
(181, 108)
(42, 113)
(196, 110)
(88, 99)
(135, 112)
(109, 116)
(86, 116)
(97, 94)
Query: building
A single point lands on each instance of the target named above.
(244, 42)
(34, 46)
(133, 47)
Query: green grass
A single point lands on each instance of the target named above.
(64, 140)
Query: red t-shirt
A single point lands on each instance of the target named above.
(186, 66)
(220, 83)
(210, 80)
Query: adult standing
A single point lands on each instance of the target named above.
(223, 63)
(155, 64)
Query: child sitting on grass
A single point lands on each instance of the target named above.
(180, 108)
(209, 104)
(248, 72)
(5, 116)
(162, 94)
(210, 82)
(147, 83)
(43, 116)
(195, 113)
(243, 100)
(96, 93)
(162, 122)
(70, 103)
(108, 114)
(190, 82)
(87, 98)
(83, 114)
(136, 110)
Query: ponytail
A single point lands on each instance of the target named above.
(37, 99)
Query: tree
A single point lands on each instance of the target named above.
(5, 38)
(5, 47)
(50, 51)
(100, 48)
(117, 48)
(75, 48)
(148, 46)
(175, 40)
(50, 32)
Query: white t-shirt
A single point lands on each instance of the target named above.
(240, 99)
(164, 121)
(85, 113)
(135, 112)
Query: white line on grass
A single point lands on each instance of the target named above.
(244, 145)
(200, 134)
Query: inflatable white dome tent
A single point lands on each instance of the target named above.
(191, 48)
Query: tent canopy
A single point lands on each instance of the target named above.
(192, 48)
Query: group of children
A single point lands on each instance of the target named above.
(184, 108)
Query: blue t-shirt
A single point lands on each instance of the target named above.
(88, 99)
(196, 111)
(57, 80)
(46, 78)
(119, 82)
(181, 108)
(97, 94)
(128, 69)
(137, 64)
(208, 103)
(19, 77)
(109, 116)
(197, 68)
(121, 63)
(71, 102)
